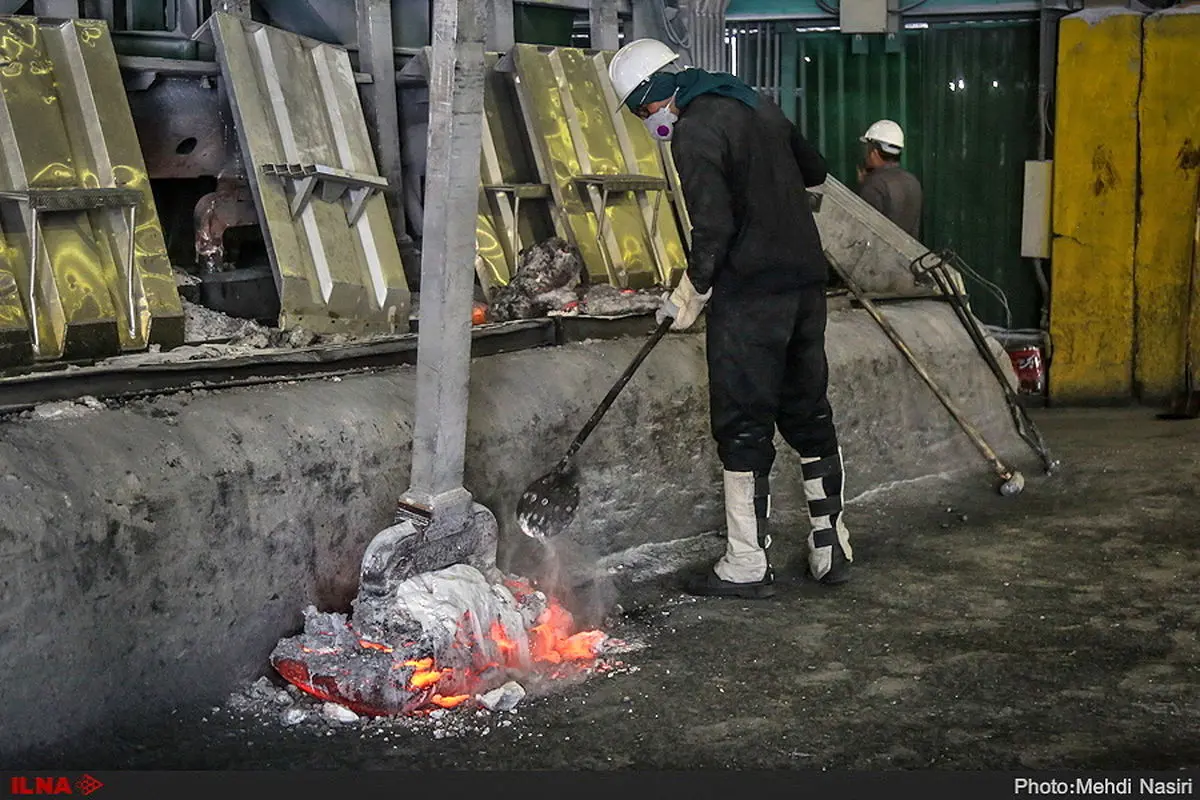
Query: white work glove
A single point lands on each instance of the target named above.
(682, 305)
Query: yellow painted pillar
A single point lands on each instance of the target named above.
(1169, 115)
(1095, 193)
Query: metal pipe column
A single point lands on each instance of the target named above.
(447, 273)
(708, 34)
(501, 33)
(644, 24)
(376, 56)
(602, 16)
(56, 9)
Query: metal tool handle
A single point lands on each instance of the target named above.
(1025, 427)
(1001, 469)
(607, 402)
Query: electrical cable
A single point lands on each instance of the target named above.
(683, 40)
(942, 277)
(949, 257)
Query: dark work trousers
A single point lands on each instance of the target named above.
(767, 368)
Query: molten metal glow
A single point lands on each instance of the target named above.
(500, 636)
(321, 651)
(555, 652)
(449, 702)
(421, 680)
(552, 642)
(424, 675)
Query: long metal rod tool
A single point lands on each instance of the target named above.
(548, 504)
(1012, 481)
(1025, 427)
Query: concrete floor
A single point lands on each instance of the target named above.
(1056, 629)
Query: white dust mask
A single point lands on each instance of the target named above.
(661, 123)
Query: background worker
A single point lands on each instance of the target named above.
(883, 183)
(756, 261)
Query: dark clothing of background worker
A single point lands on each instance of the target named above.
(883, 183)
(756, 261)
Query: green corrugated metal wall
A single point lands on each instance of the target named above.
(967, 144)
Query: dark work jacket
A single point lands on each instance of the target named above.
(744, 173)
(895, 193)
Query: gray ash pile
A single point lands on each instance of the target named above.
(550, 281)
(603, 300)
(546, 279)
(438, 639)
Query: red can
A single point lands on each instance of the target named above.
(1030, 369)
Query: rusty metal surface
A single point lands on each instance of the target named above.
(183, 124)
(230, 206)
(298, 116)
(83, 254)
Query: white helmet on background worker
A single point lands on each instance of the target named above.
(887, 135)
(634, 63)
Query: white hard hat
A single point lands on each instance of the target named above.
(886, 134)
(634, 63)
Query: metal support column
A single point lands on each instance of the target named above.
(377, 57)
(1047, 67)
(604, 24)
(99, 9)
(56, 9)
(239, 8)
(501, 34)
(707, 29)
(447, 277)
(644, 22)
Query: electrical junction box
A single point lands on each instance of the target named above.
(869, 16)
(1035, 209)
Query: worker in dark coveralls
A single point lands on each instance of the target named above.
(883, 183)
(756, 262)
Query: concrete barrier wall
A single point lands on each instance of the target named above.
(154, 553)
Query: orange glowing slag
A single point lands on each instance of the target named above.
(424, 675)
(449, 702)
(321, 651)
(550, 640)
(552, 646)
(504, 642)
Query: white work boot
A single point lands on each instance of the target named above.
(744, 570)
(829, 553)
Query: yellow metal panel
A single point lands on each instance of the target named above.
(119, 162)
(507, 160)
(1169, 113)
(65, 124)
(492, 256)
(645, 156)
(494, 241)
(593, 131)
(1194, 322)
(542, 104)
(16, 346)
(1095, 192)
(296, 102)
